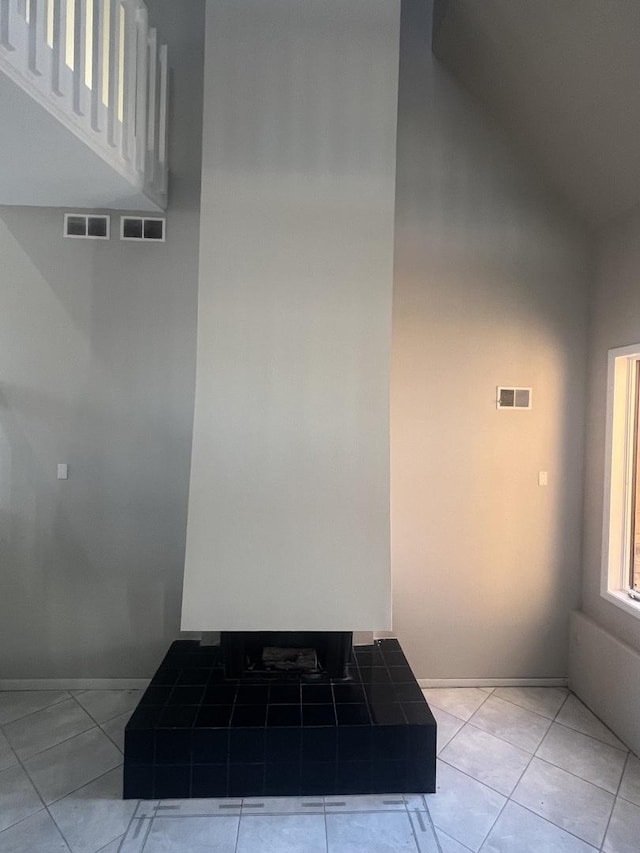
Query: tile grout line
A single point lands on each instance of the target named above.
(431, 823)
(616, 795)
(575, 775)
(37, 711)
(110, 719)
(31, 782)
(45, 806)
(324, 814)
(623, 748)
(413, 829)
(508, 798)
(548, 820)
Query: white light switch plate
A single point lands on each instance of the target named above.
(63, 471)
(542, 478)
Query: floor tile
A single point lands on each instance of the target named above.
(37, 834)
(448, 725)
(70, 765)
(104, 705)
(114, 729)
(623, 835)
(96, 814)
(424, 832)
(449, 844)
(518, 830)
(572, 804)
(193, 835)
(584, 756)
(464, 808)
(577, 716)
(17, 703)
(462, 702)
(7, 755)
(18, 797)
(545, 701)
(46, 728)
(630, 787)
(375, 832)
(282, 834)
(516, 725)
(487, 758)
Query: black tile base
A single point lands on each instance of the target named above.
(196, 733)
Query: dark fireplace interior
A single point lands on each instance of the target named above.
(312, 653)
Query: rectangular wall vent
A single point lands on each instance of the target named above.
(87, 226)
(150, 229)
(513, 398)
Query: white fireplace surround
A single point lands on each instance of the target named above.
(288, 525)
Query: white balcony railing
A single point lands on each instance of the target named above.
(97, 67)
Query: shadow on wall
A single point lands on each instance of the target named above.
(97, 351)
(491, 276)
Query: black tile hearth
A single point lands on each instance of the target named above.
(196, 733)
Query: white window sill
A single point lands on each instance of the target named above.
(622, 600)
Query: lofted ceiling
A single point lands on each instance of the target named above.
(563, 78)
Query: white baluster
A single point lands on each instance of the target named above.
(142, 86)
(5, 36)
(37, 35)
(79, 58)
(59, 49)
(96, 62)
(130, 79)
(113, 124)
(162, 118)
(152, 112)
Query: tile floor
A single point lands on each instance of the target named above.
(521, 770)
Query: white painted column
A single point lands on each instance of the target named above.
(288, 524)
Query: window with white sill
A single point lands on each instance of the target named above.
(621, 528)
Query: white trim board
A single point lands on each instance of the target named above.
(74, 683)
(426, 683)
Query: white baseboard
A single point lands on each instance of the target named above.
(492, 682)
(74, 683)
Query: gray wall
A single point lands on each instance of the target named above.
(615, 322)
(97, 349)
(490, 288)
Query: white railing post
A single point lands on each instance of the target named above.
(59, 49)
(79, 57)
(114, 73)
(152, 112)
(163, 118)
(97, 54)
(130, 80)
(37, 34)
(142, 88)
(5, 38)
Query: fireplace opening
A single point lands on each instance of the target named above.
(310, 654)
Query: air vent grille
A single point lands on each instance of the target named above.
(148, 228)
(513, 398)
(83, 226)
